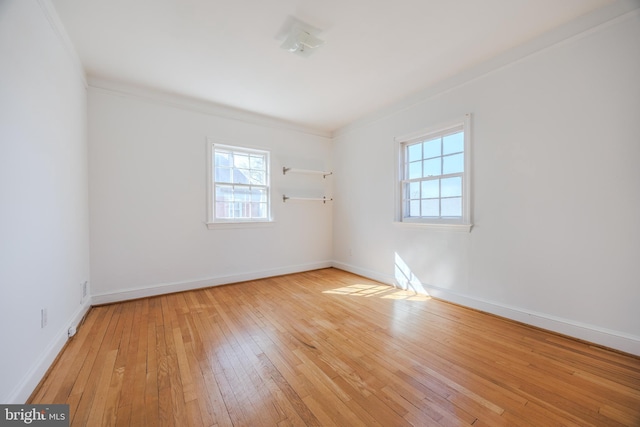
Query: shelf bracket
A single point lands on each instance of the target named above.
(308, 171)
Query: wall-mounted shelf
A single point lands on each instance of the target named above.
(324, 174)
(307, 199)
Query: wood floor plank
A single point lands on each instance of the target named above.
(325, 348)
(413, 413)
(209, 392)
(96, 414)
(84, 388)
(65, 377)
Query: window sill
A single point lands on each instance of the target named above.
(462, 228)
(229, 225)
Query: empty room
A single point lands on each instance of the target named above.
(246, 213)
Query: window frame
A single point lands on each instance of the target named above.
(215, 222)
(464, 223)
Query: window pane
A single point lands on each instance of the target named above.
(224, 193)
(222, 158)
(453, 164)
(258, 177)
(453, 143)
(258, 195)
(432, 167)
(452, 207)
(257, 162)
(223, 210)
(432, 148)
(241, 161)
(414, 190)
(241, 194)
(223, 174)
(241, 176)
(414, 208)
(238, 211)
(452, 187)
(258, 210)
(414, 152)
(415, 170)
(430, 189)
(431, 207)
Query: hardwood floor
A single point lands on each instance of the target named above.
(330, 348)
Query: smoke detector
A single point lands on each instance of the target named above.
(301, 41)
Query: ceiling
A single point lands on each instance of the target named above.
(227, 52)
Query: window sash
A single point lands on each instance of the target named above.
(240, 190)
(251, 202)
(421, 164)
(407, 198)
(420, 159)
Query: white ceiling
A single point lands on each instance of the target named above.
(376, 52)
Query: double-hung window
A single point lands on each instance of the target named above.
(239, 190)
(435, 177)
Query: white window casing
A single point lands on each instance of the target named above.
(433, 187)
(238, 186)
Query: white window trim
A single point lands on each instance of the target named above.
(213, 224)
(466, 223)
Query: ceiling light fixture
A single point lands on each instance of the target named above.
(301, 41)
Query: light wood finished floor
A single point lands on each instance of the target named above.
(330, 348)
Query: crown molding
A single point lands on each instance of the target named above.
(583, 26)
(199, 106)
(61, 33)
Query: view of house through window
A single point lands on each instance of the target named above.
(241, 184)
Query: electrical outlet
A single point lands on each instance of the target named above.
(83, 291)
(43, 318)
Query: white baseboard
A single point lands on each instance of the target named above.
(167, 288)
(32, 378)
(594, 334)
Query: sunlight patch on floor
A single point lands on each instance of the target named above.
(380, 291)
(407, 295)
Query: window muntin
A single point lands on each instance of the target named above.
(241, 190)
(434, 176)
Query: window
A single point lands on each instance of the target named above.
(435, 176)
(239, 190)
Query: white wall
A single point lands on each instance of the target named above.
(556, 145)
(148, 197)
(44, 226)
